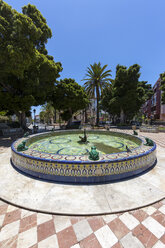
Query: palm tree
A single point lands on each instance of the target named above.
(96, 79)
(48, 112)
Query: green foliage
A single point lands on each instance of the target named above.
(144, 92)
(47, 113)
(126, 94)
(4, 118)
(27, 72)
(69, 97)
(14, 124)
(66, 115)
(162, 128)
(42, 116)
(3, 113)
(108, 102)
(96, 80)
(122, 124)
(125, 88)
(162, 76)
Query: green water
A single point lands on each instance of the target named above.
(68, 144)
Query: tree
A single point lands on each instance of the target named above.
(42, 116)
(47, 113)
(69, 97)
(144, 92)
(162, 76)
(125, 86)
(27, 72)
(96, 79)
(126, 94)
(109, 105)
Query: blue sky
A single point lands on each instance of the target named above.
(110, 31)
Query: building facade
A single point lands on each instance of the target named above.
(153, 108)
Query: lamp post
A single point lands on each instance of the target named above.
(151, 119)
(34, 116)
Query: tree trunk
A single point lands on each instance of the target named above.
(60, 118)
(70, 120)
(113, 119)
(55, 115)
(22, 119)
(86, 118)
(122, 116)
(97, 98)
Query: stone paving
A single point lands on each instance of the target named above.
(137, 229)
(140, 228)
(159, 138)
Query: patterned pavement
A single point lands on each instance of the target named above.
(137, 229)
(140, 228)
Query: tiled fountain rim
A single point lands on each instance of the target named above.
(46, 197)
(142, 150)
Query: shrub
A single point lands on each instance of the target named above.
(14, 124)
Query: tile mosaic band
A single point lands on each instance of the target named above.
(112, 167)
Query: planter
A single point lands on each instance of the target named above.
(149, 129)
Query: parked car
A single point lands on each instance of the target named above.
(74, 125)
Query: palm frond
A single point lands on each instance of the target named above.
(96, 77)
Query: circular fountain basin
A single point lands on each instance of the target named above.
(60, 157)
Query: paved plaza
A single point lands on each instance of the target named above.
(138, 228)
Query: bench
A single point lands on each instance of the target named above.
(74, 125)
(12, 131)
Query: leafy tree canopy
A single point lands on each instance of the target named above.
(108, 103)
(69, 97)
(162, 76)
(27, 72)
(126, 94)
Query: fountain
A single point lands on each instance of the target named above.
(83, 139)
(99, 157)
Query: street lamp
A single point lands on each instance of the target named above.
(34, 115)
